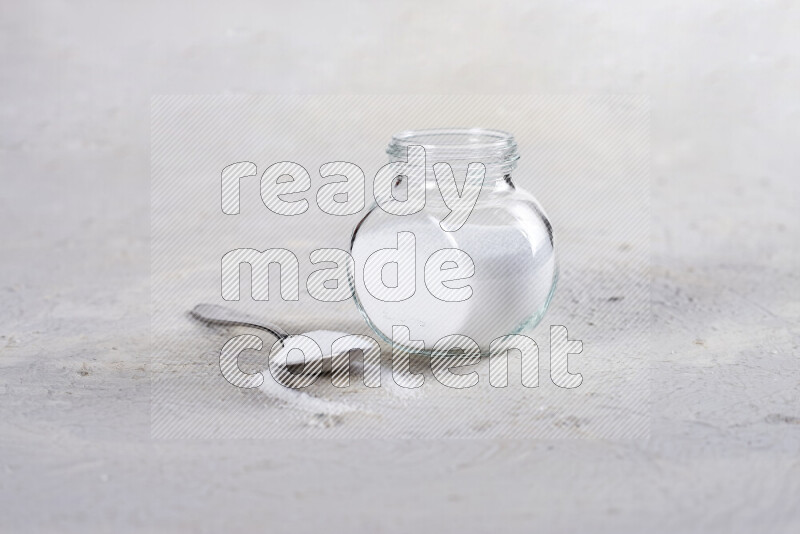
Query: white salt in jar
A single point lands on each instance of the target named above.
(503, 256)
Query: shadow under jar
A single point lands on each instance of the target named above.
(507, 236)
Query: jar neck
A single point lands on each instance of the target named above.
(458, 147)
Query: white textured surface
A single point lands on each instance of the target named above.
(75, 453)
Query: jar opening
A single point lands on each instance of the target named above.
(457, 144)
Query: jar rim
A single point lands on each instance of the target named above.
(479, 144)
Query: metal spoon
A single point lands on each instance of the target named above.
(215, 314)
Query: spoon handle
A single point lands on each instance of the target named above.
(214, 314)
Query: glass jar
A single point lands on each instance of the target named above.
(507, 236)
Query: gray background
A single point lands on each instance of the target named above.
(75, 448)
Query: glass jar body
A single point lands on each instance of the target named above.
(509, 240)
